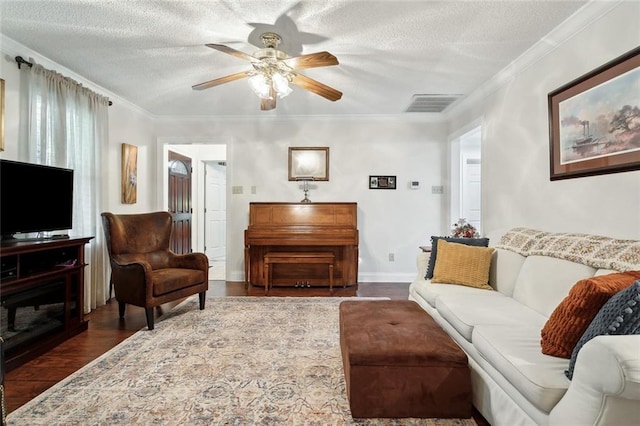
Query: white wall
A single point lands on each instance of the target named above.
(390, 221)
(128, 125)
(11, 75)
(516, 186)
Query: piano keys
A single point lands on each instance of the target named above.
(304, 227)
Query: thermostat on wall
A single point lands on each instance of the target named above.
(415, 184)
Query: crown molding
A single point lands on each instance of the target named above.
(403, 117)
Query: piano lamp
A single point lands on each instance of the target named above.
(305, 187)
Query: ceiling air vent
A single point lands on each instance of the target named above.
(431, 103)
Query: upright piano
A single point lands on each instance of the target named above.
(304, 227)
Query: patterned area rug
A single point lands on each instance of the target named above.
(241, 361)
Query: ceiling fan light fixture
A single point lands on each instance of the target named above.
(273, 70)
(258, 83)
(281, 85)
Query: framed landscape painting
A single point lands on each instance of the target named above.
(594, 121)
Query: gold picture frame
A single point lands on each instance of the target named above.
(309, 163)
(1, 114)
(129, 177)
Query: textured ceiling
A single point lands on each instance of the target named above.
(151, 52)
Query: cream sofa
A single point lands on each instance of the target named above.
(513, 382)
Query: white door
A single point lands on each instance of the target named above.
(471, 191)
(215, 228)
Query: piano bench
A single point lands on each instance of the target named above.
(297, 258)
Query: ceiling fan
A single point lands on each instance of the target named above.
(273, 70)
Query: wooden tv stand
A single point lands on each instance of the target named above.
(42, 295)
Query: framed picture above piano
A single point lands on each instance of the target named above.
(309, 163)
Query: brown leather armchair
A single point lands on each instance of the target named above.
(144, 271)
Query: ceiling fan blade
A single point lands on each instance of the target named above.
(316, 87)
(312, 60)
(268, 104)
(233, 52)
(221, 80)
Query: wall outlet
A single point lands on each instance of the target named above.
(437, 189)
(236, 190)
(392, 257)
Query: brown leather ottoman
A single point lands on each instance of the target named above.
(398, 362)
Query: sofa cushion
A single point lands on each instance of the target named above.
(505, 266)
(515, 353)
(544, 281)
(463, 265)
(619, 315)
(431, 291)
(463, 313)
(572, 316)
(481, 242)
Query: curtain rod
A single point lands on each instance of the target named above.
(21, 61)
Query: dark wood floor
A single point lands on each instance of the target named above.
(106, 330)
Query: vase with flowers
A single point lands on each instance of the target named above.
(463, 229)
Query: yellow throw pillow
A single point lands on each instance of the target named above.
(462, 264)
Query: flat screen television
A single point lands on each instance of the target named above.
(34, 198)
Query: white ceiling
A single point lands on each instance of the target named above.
(151, 52)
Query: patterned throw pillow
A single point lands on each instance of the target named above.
(481, 242)
(462, 264)
(569, 320)
(619, 316)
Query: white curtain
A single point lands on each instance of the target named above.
(64, 124)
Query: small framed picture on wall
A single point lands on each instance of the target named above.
(382, 182)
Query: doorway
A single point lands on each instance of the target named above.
(466, 178)
(200, 153)
(215, 218)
